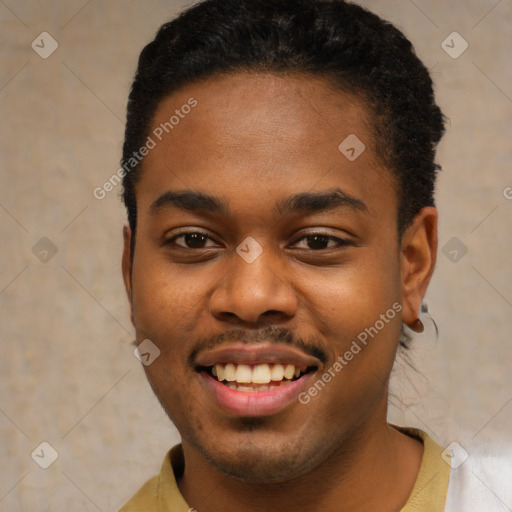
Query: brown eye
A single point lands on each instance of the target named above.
(318, 242)
(195, 240)
(192, 240)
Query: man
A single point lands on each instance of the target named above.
(279, 177)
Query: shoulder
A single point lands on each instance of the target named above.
(481, 480)
(145, 499)
(161, 493)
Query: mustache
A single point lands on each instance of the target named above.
(272, 334)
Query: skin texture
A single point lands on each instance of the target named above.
(254, 140)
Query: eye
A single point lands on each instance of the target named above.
(192, 240)
(321, 241)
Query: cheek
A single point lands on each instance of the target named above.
(359, 312)
(164, 296)
(347, 300)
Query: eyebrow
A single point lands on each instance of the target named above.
(315, 202)
(189, 201)
(306, 202)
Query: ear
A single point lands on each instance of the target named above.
(127, 266)
(417, 261)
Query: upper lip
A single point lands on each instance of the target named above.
(254, 354)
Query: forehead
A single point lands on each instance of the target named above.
(251, 107)
(256, 132)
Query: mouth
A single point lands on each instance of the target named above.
(253, 380)
(256, 377)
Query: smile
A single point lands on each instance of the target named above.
(256, 377)
(255, 380)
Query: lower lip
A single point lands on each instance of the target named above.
(255, 403)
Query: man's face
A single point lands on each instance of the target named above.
(265, 150)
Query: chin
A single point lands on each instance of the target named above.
(256, 466)
(262, 459)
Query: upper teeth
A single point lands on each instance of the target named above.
(262, 373)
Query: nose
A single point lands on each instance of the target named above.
(255, 293)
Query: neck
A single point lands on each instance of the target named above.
(374, 469)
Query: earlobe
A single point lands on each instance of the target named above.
(418, 259)
(127, 266)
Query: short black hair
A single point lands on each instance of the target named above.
(348, 45)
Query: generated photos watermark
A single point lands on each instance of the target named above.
(146, 352)
(156, 136)
(355, 348)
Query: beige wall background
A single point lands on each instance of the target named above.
(69, 377)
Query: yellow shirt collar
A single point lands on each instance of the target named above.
(161, 493)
